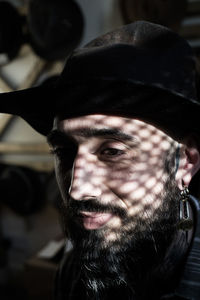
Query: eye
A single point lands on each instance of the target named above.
(112, 152)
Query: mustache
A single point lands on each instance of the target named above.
(93, 205)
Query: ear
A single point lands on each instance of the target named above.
(189, 162)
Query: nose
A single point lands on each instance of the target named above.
(85, 181)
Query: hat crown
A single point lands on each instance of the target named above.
(142, 53)
(138, 33)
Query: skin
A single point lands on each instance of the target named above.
(120, 183)
(119, 162)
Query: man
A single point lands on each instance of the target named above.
(126, 144)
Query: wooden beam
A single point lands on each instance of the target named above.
(33, 74)
(41, 166)
(24, 148)
(5, 119)
(4, 87)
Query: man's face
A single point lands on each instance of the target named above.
(111, 170)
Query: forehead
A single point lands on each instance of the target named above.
(131, 126)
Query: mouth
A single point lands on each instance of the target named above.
(95, 220)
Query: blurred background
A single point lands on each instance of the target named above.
(36, 37)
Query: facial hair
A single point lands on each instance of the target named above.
(137, 251)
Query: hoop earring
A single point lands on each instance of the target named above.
(186, 221)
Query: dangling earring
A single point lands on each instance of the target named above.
(186, 221)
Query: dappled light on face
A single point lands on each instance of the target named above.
(135, 209)
(150, 183)
(121, 164)
(139, 193)
(127, 187)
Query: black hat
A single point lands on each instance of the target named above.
(141, 70)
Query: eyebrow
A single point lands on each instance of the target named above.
(56, 135)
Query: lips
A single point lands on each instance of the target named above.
(94, 220)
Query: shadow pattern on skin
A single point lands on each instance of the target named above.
(137, 185)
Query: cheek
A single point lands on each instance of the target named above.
(139, 185)
(141, 176)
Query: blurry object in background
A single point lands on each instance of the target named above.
(165, 12)
(52, 28)
(11, 32)
(44, 264)
(190, 28)
(22, 189)
(55, 27)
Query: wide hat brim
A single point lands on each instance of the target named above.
(140, 70)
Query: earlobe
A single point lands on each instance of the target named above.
(189, 162)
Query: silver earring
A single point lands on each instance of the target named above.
(186, 221)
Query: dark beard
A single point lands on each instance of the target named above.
(133, 260)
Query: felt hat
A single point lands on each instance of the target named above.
(140, 70)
